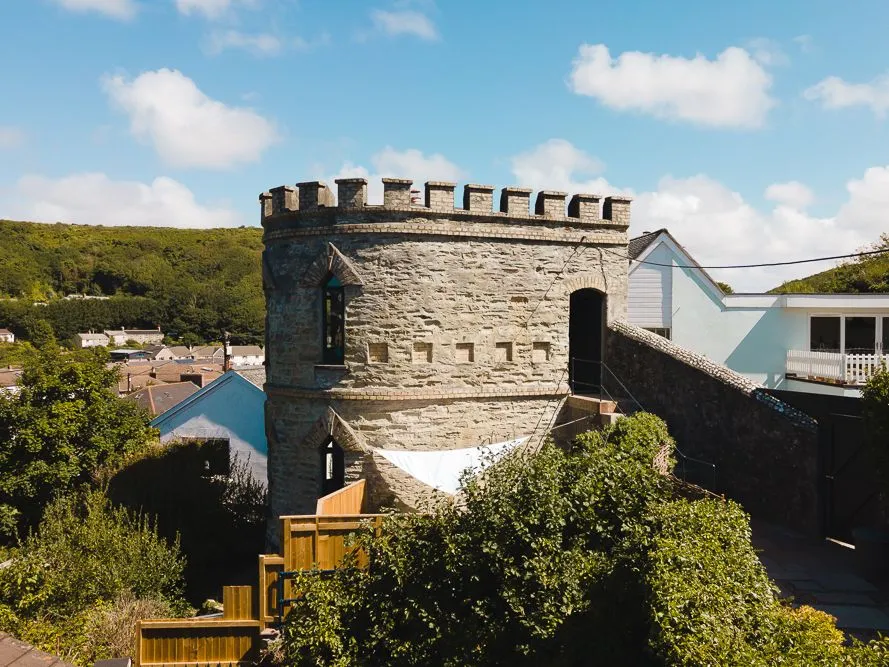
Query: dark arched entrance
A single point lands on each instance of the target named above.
(585, 339)
(333, 468)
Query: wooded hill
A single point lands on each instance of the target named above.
(862, 276)
(192, 283)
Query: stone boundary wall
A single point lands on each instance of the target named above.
(766, 452)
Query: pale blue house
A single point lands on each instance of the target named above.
(819, 343)
(229, 408)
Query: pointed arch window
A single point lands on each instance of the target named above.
(333, 468)
(334, 320)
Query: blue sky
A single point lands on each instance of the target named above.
(754, 131)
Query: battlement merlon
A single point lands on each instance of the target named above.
(439, 198)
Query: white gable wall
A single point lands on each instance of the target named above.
(650, 295)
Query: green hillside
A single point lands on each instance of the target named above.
(192, 283)
(862, 276)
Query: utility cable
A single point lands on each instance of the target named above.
(750, 266)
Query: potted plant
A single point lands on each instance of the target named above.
(872, 543)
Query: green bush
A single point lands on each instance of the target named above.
(76, 585)
(562, 558)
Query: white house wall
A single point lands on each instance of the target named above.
(650, 295)
(234, 410)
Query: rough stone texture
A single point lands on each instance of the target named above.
(313, 194)
(456, 330)
(550, 204)
(617, 209)
(351, 192)
(515, 201)
(284, 198)
(397, 192)
(478, 198)
(585, 207)
(766, 452)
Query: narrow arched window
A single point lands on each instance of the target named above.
(334, 320)
(333, 468)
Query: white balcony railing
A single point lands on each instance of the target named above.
(834, 366)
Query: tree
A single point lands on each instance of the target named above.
(725, 287)
(562, 558)
(61, 429)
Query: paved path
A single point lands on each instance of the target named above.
(824, 575)
(19, 654)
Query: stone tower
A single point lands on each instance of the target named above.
(425, 327)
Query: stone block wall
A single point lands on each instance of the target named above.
(456, 322)
(766, 452)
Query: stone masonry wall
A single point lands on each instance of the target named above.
(456, 321)
(766, 452)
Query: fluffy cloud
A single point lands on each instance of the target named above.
(717, 225)
(210, 9)
(392, 163)
(122, 10)
(95, 199)
(11, 137)
(834, 93)
(406, 22)
(793, 194)
(730, 91)
(185, 127)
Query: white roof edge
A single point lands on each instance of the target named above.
(872, 301)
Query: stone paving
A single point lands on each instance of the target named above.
(824, 575)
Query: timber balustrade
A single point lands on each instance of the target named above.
(319, 541)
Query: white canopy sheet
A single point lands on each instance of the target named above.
(441, 469)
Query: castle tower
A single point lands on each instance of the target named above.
(425, 327)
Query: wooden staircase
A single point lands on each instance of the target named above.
(235, 639)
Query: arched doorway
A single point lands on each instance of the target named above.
(333, 467)
(585, 340)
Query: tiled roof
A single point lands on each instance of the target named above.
(157, 399)
(255, 376)
(16, 652)
(5, 331)
(640, 243)
(246, 350)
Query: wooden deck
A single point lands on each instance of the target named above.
(312, 541)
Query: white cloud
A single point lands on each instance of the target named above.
(211, 9)
(834, 93)
(407, 22)
(95, 199)
(805, 43)
(768, 52)
(11, 137)
(260, 44)
(730, 91)
(558, 165)
(793, 194)
(392, 163)
(717, 226)
(122, 10)
(187, 128)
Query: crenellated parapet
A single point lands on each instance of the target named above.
(312, 197)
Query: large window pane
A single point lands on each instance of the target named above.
(825, 334)
(886, 335)
(861, 335)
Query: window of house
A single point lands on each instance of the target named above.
(334, 318)
(333, 468)
(885, 338)
(861, 335)
(660, 331)
(824, 332)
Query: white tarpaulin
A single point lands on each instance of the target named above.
(441, 469)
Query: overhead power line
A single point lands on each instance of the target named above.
(752, 266)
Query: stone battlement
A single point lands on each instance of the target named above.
(478, 200)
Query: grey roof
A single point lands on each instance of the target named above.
(255, 376)
(638, 245)
(158, 398)
(246, 350)
(15, 651)
(91, 336)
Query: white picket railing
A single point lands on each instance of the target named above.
(836, 366)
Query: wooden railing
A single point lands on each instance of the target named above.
(313, 541)
(834, 366)
(348, 500)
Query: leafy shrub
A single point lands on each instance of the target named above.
(110, 627)
(563, 558)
